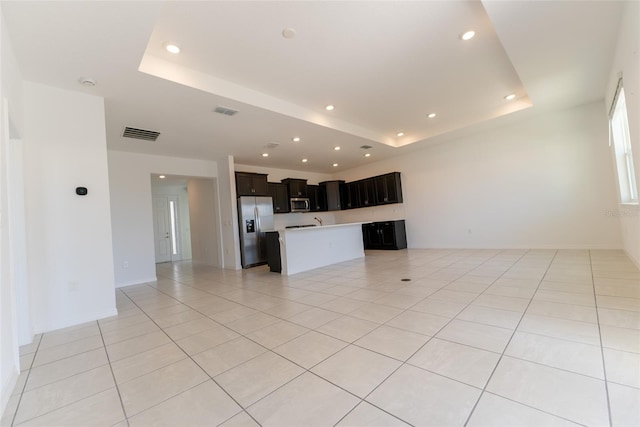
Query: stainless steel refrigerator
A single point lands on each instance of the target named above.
(255, 217)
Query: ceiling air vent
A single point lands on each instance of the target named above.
(365, 147)
(225, 110)
(271, 145)
(147, 135)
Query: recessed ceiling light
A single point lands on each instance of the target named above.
(400, 134)
(467, 35)
(296, 139)
(305, 160)
(329, 107)
(367, 154)
(171, 47)
(335, 165)
(86, 81)
(510, 97)
(336, 148)
(431, 115)
(265, 154)
(289, 33)
(162, 177)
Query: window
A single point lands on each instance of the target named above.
(174, 231)
(622, 148)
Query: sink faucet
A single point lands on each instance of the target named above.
(319, 220)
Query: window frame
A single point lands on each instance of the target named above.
(620, 140)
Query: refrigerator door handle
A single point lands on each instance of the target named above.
(256, 212)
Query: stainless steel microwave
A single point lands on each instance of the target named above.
(300, 204)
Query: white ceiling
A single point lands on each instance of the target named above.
(383, 64)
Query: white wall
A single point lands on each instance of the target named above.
(9, 360)
(627, 61)
(228, 214)
(203, 214)
(69, 251)
(184, 230)
(131, 209)
(10, 126)
(543, 182)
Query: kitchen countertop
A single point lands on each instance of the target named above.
(320, 227)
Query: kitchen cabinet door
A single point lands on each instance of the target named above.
(371, 236)
(332, 194)
(251, 184)
(350, 195)
(388, 188)
(297, 187)
(280, 198)
(367, 192)
(385, 235)
(317, 198)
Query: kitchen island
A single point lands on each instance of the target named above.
(306, 248)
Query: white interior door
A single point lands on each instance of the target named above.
(162, 228)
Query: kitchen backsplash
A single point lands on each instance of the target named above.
(284, 220)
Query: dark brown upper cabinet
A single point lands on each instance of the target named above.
(332, 193)
(251, 184)
(388, 188)
(278, 193)
(296, 187)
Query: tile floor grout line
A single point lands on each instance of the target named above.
(66, 404)
(536, 409)
(145, 296)
(284, 299)
(64, 358)
(446, 324)
(604, 365)
(305, 370)
(195, 362)
(113, 376)
(441, 328)
(311, 329)
(24, 386)
(394, 317)
(509, 341)
(70, 376)
(270, 350)
(362, 401)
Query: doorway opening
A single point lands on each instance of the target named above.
(185, 219)
(169, 227)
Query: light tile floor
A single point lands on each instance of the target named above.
(475, 337)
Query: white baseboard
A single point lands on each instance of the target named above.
(7, 389)
(88, 317)
(633, 260)
(136, 282)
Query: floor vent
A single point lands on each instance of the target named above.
(225, 110)
(146, 135)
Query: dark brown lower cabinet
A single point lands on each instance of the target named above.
(385, 235)
(273, 251)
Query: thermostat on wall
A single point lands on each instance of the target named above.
(81, 191)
